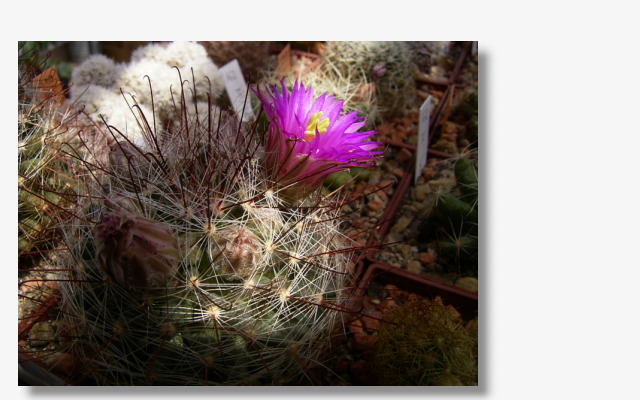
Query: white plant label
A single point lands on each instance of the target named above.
(423, 138)
(237, 89)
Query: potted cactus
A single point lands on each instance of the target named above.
(196, 249)
(201, 250)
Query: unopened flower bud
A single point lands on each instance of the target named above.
(135, 251)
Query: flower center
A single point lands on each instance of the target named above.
(316, 124)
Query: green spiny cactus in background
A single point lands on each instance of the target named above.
(188, 266)
(387, 65)
(426, 343)
(43, 182)
(458, 215)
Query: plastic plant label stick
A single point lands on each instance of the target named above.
(237, 89)
(423, 138)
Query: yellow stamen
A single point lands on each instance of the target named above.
(316, 124)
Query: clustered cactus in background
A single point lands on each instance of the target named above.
(152, 81)
(190, 258)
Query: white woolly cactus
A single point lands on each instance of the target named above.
(190, 267)
(135, 79)
(150, 81)
(159, 63)
(97, 70)
(104, 105)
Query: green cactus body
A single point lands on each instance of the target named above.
(457, 215)
(189, 268)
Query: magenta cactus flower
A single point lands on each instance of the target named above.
(309, 138)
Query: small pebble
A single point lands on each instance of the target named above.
(426, 257)
(356, 327)
(414, 266)
(374, 205)
(391, 289)
(371, 322)
(449, 137)
(359, 222)
(386, 185)
(427, 173)
(388, 304)
(405, 249)
(421, 191)
(401, 224)
(393, 237)
(363, 342)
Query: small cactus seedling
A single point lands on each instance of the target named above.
(202, 255)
